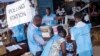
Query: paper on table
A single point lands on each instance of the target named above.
(18, 46)
(13, 47)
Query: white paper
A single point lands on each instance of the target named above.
(46, 34)
(18, 46)
(18, 14)
(1, 43)
(13, 48)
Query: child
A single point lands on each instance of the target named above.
(70, 46)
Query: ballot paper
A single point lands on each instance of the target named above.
(46, 34)
(46, 31)
(13, 48)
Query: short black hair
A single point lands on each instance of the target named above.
(78, 15)
(62, 31)
(59, 27)
(37, 16)
(48, 8)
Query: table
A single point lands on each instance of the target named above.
(18, 52)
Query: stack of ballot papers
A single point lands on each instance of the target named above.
(46, 31)
(13, 47)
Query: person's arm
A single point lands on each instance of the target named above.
(39, 39)
(63, 48)
(75, 47)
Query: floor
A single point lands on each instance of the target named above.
(96, 50)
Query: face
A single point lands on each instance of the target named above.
(62, 34)
(48, 12)
(38, 22)
(58, 7)
(77, 19)
(68, 38)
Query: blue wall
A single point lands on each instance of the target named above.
(42, 4)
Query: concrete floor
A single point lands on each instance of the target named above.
(96, 50)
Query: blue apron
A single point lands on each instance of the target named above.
(33, 45)
(83, 40)
(19, 33)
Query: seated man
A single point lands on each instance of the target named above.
(49, 18)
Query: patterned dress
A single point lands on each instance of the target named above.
(70, 48)
(55, 49)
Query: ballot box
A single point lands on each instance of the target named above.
(46, 32)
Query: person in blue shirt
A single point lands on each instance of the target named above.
(49, 18)
(81, 34)
(34, 36)
(19, 33)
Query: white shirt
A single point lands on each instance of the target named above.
(60, 12)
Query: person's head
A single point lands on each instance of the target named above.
(48, 11)
(61, 31)
(59, 7)
(93, 5)
(37, 20)
(82, 4)
(59, 27)
(78, 16)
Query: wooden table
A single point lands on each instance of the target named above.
(18, 52)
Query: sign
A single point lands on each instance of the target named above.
(18, 13)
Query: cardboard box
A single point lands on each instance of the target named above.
(46, 31)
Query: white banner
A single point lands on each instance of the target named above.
(18, 13)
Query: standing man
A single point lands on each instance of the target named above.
(81, 34)
(49, 18)
(35, 40)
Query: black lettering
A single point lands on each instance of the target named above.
(17, 16)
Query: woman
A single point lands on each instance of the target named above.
(56, 45)
(60, 12)
(70, 46)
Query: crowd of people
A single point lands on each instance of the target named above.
(76, 43)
